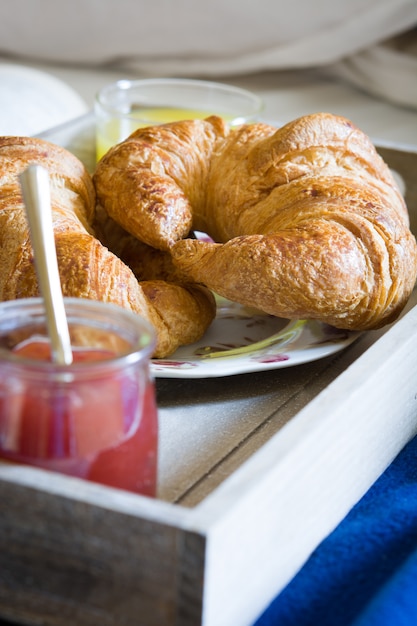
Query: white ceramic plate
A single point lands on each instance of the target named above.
(33, 100)
(246, 340)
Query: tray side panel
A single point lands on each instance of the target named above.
(268, 517)
(66, 561)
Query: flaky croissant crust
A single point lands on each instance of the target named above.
(307, 219)
(179, 313)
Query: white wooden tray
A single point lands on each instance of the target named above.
(255, 471)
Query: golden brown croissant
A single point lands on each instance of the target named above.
(146, 262)
(179, 314)
(311, 220)
(154, 183)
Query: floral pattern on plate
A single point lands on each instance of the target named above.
(242, 340)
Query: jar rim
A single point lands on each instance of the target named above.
(138, 335)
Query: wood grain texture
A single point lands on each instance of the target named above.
(89, 557)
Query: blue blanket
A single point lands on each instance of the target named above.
(365, 572)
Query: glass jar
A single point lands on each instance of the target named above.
(96, 418)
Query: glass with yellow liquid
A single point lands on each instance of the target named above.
(124, 106)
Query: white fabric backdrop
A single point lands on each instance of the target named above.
(219, 38)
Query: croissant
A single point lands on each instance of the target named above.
(307, 220)
(179, 313)
(147, 263)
